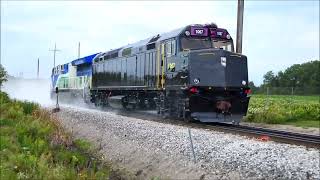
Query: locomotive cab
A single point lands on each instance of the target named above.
(217, 85)
(214, 77)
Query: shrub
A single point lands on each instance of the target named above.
(34, 146)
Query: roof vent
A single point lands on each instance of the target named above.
(211, 25)
(155, 38)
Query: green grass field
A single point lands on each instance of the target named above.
(301, 111)
(34, 146)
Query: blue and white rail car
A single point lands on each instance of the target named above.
(73, 79)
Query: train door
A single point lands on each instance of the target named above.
(170, 63)
(150, 69)
(163, 64)
(147, 70)
(158, 67)
(140, 69)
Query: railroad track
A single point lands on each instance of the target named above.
(276, 135)
(259, 133)
(262, 134)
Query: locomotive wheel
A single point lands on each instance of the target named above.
(127, 105)
(162, 111)
(188, 119)
(97, 102)
(186, 116)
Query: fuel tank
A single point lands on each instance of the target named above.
(217, 68)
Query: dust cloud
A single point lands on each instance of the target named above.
(35, 90)
(38, 90)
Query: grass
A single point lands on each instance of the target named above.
(304, 124)
(301, 111)
(34, 146)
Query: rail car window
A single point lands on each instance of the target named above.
(151, 46)
(225, 45)
(114, 55)
(193, 43)
(126, 52)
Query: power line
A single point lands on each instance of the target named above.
(79, 51)
(38, 69)
(54, 54)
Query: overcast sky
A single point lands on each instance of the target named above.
(276, 34)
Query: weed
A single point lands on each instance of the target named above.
(34, 146)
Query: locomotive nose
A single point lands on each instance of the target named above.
(218, 68)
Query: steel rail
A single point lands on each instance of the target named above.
(273, 135)
(297, 138)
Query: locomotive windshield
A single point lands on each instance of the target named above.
(205, 43)
(225, 45)
(195, 43)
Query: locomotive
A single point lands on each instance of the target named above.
(190, 73)
(73, 79)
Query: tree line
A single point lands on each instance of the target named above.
(297, 79)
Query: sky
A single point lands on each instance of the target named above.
(276, 34)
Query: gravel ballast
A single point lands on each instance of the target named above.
(154, 149)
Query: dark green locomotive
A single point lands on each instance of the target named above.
(190, 73)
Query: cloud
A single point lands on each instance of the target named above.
(276, 34)
(279, 35)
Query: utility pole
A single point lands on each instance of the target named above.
(54, 54)
(239, 26)
(79, 51)
(38, 69)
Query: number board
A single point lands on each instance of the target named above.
(199, 31)
(218, 33)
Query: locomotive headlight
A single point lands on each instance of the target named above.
(223, 61)
(187, 33)
(244, 82)
(228, 36)
(196, 80)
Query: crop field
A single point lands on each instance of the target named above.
(283, 109)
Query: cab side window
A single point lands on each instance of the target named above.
(173, 47)
(170, 47)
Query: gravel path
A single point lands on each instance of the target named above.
(153, 149)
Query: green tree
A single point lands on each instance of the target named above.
(3, 75)
(252, 86)
(304, 77)
(268, 78)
